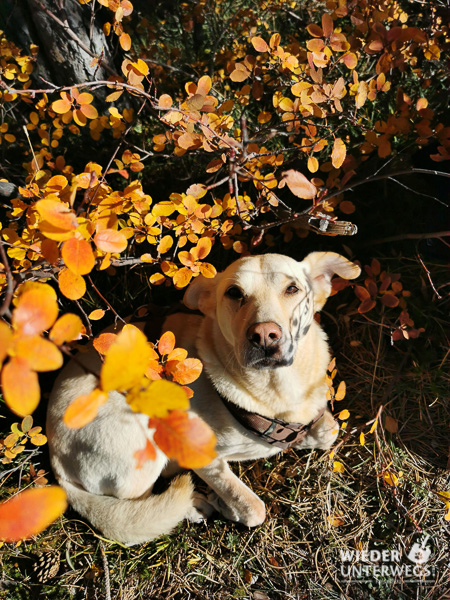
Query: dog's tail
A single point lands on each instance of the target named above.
(134, 521)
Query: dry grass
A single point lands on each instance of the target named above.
(295, 554)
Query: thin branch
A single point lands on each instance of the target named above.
(429, 276)
(408, 236)
(9, 279)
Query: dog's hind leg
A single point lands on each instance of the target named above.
(232, 498)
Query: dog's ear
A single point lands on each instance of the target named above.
(322, 266)
(201, 295)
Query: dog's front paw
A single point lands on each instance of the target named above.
(201, 509)
(251, 515)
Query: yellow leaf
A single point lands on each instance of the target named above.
(362, 439)
(96, 315)
(390, 478)
(338, 467)
(340, 392)
(158, 399)
(165, 244)
(335, 520)
(374, 426)
(126, 360)
(344, 414)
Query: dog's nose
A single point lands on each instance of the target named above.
(264, 334)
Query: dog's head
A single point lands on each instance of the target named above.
(264, 305)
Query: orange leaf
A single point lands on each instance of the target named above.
(239, 75)
(78, 256)
(84, 409)
(30, 512)
(182, 277)
(125, 41)
(327, 25)
(50, 251)
(110, 240)
(147, 453)
(40, 354)
(61, 106)
(187, 440)
(165, 244)
(20, 387)
(299, 185)
(57, 214)
(208, 270)
(202, 249)
(339, 153)
(72, 286)
(5, 340)
(103, 342)
(177, 354)
(66, 329)
(166, 343)
(96, 315)
(36, 310)
(126, 360)
(259, 44)
(187, 371)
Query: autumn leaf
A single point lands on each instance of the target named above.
(78, 256)
(104, 341)
(186, 371)
(6, 335)
(166, 343)
(158, 399)
(189, 441)
(340, 392)
(110, 240)
(40, 354)
(20, 387)
(57, 214)
(84, 409)
(338, 467)
(125, 361)
(30, 512)
(338, 154)
(147, 453)
(66, 329)
(259, 44)
(299, 185)
(36, 310)
(72, 286)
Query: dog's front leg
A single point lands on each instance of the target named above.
(322, 434)
(232, 498)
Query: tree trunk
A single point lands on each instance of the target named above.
(67, 36)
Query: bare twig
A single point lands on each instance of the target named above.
(9, 281)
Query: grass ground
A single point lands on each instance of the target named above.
(315, 513)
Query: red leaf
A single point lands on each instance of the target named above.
(30, 512)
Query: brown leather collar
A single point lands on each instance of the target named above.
(273, 431)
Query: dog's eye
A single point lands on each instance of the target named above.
(234, 293)
(292, 289)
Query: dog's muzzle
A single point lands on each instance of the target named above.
(265, 349)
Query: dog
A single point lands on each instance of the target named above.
(262, 389)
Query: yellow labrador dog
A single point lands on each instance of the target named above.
(262, 389)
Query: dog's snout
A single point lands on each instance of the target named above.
(264, 334)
